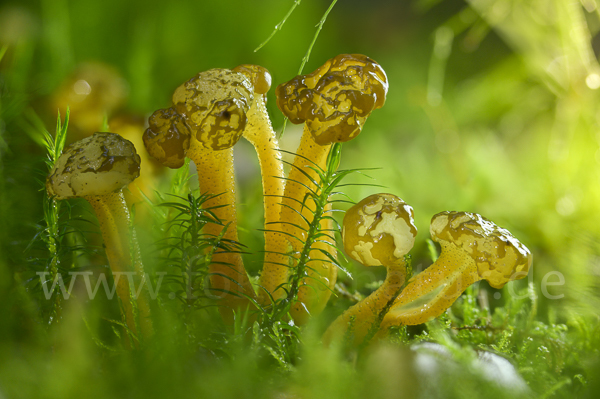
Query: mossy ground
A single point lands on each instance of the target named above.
(492, 109)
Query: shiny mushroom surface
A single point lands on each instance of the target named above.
(167, 138)
(214, 104)
(333, 102)
(378, 231)
(473, 249)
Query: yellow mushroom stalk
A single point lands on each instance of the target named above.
(97, 168)
(259, 132)
(473, 249)
(333, 102)
(205, 122)
(378, 231)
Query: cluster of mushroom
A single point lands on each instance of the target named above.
(213, 110)
(380, 231)
(208, 116)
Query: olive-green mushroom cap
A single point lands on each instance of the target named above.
(379, 230)
(167, 138)
(336, 99)
(97, 165)
(214, 104)
(258, 76)
(499, 256)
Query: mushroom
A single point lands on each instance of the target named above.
(205, 122)
(92, 91)
(378, 231)
(473, 249)
(96, 168)
(334, 102)
(259, 132)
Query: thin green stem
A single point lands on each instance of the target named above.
(52, 237)
(279, 25)
(328, 180)
(3, 51)
(310, 47)
(314, 40)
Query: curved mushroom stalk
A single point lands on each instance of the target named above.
(97, 168)
(378, 231)
(334, 102)
(259, 132)
(473, 249)
(205, 122)
(431, 292)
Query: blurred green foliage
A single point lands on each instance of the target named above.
(492, 108)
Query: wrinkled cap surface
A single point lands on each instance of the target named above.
(214, 104)
(97, 165)
(258, 76)
(499, 256)
(379, 230)
(336, 99)
(167, 138)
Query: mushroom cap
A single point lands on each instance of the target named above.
(214, 104)
(258, 76)
(97, 165)
(499, 256)
(167, 138)
(336, 99)
(379, 230)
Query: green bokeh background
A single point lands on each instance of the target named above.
(492, 108)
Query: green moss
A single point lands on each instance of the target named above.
(496, 113)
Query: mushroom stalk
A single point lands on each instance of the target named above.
(294, 213)
(123, 255)
(429, 293)
(259, 132)
(228, 275)
(333, 102)
(312, 295)
(298, 183)
(378, 231)
(206, 120)
(321, 274)
(363, 316)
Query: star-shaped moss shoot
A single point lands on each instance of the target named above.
(206, 120)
